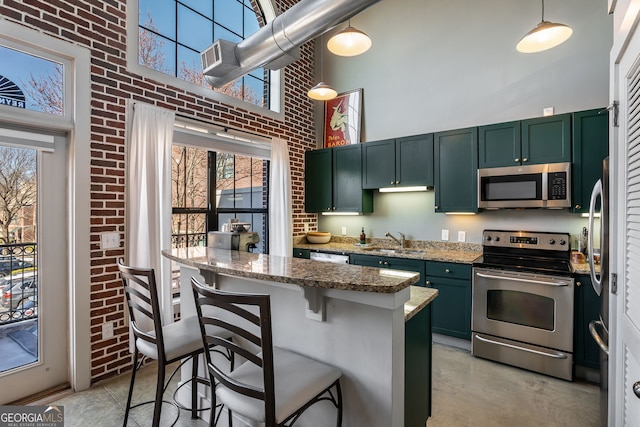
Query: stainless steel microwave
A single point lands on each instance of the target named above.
(530, 186)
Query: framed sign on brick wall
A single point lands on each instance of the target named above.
(342, 119)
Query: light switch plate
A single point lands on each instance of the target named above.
(344, 231)
(547, 111)
(110, 240)
(445, 234)
(462, 236)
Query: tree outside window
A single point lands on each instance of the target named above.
(172, 34)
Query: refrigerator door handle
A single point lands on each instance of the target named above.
(592, 329)
(595, 281)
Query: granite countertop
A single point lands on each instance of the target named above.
(419, 299)
(295, 271)
(464, 253)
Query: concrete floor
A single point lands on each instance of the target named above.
(467, 391)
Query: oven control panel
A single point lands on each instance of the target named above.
(526, 240)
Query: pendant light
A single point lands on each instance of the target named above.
(322, 91)
(349, 42)
(544, 36)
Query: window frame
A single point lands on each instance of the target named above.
(276, 95)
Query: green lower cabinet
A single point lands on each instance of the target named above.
(587, 309)
(390, 262)
(452, 308)
(301, 253)
(417, 372)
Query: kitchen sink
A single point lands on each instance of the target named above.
(401, 251)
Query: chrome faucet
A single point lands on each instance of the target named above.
(400, 242)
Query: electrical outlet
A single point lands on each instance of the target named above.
(107, 330)
(110, 240)
(462, 236)
(306, 227)
(445, 234)
(547, 111)
(344, 231)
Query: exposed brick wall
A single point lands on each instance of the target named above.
(101, 27)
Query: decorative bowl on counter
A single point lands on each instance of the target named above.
(318, 237)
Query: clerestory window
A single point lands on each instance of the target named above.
(172, 33)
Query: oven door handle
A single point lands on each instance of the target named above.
(516, 347)
(520, 279)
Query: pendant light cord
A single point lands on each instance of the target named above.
(542, 10)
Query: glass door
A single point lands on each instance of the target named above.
(33, 303)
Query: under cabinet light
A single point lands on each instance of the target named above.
(342, 213)
(403, 189)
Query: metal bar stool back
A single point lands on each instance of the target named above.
(274, 386)
(164, 343)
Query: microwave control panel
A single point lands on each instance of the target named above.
(557, 186)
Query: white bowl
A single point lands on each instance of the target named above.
(318, 237)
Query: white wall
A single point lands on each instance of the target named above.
(447, 64)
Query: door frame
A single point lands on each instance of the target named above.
(625, 31)
(77, 125)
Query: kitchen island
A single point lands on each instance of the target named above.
(349, 316)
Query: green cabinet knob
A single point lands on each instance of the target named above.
(517, 159)
(447, 271)
(525, 159)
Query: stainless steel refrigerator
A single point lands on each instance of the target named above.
(599, 328)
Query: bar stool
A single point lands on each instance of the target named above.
(166, 344)
(274, 386)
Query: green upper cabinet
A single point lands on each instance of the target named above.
(499, 145)
(400, 162)
(546, 140)
(378, 165)
(527, 142)
(456, 170)
(333, 181)
(318, 180)
(348, 195)
(590, 148)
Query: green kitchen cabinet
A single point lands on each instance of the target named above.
(333, 181)
(348, 195)
(526, 142)
(400, 162)
(586, 309)
(590, 148)
(318, 180)
(456, 170)
(546, 140)
(417, 373)
(393, 263)
(452, 309)
(301, 253)
(499, 145)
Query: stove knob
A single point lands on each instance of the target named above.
(562, 242)
(488, 238)
(552, 242)
(497, 239)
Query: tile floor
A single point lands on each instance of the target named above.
(467, 392)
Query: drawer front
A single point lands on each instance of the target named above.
(450, 270)
(301, 253)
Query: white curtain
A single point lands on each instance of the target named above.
(149, 196)
(280, 219)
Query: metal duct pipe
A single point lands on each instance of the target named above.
(277, 42)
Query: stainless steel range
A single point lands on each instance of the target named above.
(522, 302)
